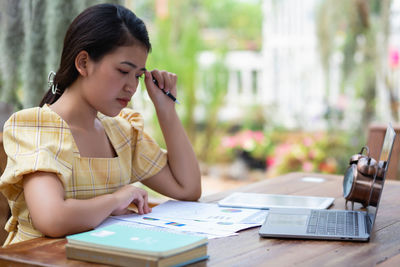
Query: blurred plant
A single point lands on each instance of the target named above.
(176, 42)
(394, 58)
(392, 76)
(178, 37)
(212, 96)
(252, 146)
(233, 23)
(317, 152)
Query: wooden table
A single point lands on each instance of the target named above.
(248, 249)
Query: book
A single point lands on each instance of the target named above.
(267, 201)
(124, 245)
(116, 258)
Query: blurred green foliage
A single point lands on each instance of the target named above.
(178, 35)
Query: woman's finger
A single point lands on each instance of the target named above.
(139, 202)
(146, 207)
(170, 81)
(159, 77)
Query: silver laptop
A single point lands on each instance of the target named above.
(329, 224)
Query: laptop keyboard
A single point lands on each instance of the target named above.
(323, 222)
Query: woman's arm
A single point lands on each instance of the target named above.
(180, 179)
(55, 216)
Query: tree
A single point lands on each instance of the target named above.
(32, 33)
(176, 43)
(34, 58)
(215, 85)
(59, 15)
(11, 40)
(360, 22)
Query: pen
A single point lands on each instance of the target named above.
(167, 92)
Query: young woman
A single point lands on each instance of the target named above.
(72, 161)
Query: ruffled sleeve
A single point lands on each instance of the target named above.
(34, 140)
(148, 158)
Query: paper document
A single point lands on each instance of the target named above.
(207, 212)
(198, 218)
(111, 220)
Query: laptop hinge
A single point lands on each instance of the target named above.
(368, 223)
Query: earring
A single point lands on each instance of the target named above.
(50, 82)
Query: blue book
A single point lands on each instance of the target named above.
(123, 245)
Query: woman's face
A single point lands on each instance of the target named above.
(112, 81)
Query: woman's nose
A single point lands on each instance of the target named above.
(131, 87)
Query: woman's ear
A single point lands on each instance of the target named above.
(81, 63)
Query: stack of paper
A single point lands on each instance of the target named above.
(206, 219)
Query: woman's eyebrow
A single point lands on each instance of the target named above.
(132, 65)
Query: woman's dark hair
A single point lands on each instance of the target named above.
(98, 30)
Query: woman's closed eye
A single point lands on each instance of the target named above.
(123, 72)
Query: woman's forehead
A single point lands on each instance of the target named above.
(135, 54)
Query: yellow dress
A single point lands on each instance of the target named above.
(38, 139)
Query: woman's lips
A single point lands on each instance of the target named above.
(123, 102)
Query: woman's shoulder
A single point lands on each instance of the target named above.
(33, 117)
(28, 114)
(127, 119)
(34, 128)
(38, 134)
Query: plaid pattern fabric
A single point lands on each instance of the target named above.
(37, 139)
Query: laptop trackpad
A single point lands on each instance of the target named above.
(278, 219)
(286, 224)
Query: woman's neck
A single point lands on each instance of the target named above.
(73, 109)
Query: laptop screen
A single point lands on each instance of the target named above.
(379, 180)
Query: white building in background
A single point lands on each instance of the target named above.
(293, 79)
(287, 79)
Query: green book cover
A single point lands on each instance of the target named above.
(140, 241)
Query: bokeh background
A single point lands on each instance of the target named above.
(267, 86)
